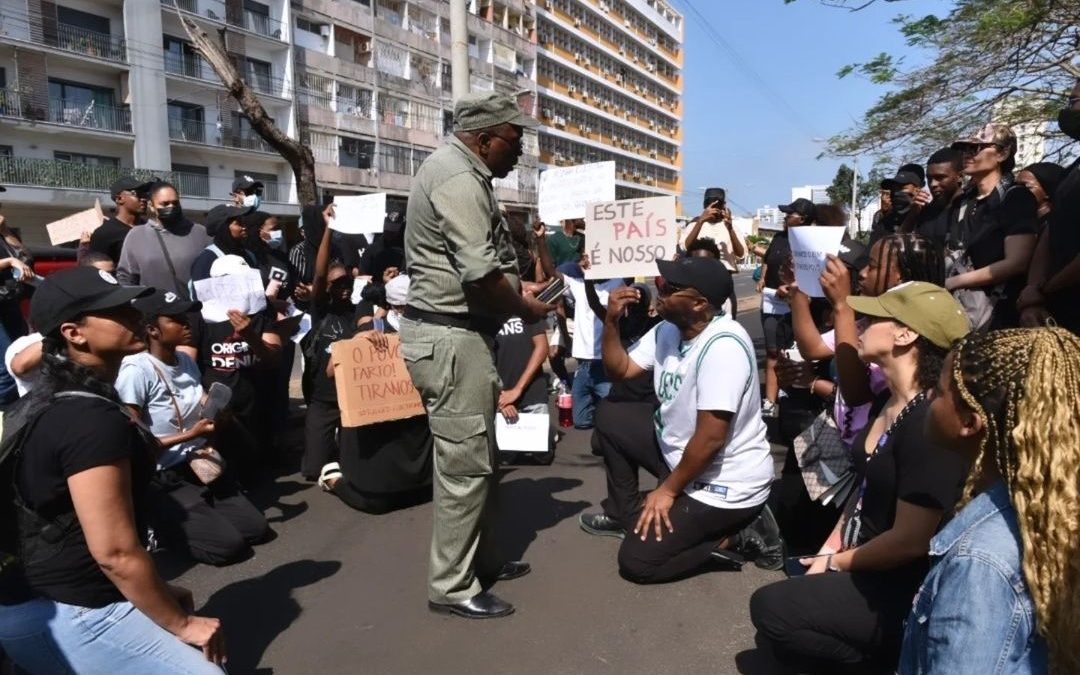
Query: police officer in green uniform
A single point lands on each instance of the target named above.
(464, 286)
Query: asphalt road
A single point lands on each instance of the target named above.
(344, 592)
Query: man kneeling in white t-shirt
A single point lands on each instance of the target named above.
(708, 447)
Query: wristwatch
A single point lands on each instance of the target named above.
(830, 566)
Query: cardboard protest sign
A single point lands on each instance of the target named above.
(566, 190)
(359, 214)
(809, 248)
(71, 228)
(625, 238)
(530, 433)
(241, 291)
(372, 385)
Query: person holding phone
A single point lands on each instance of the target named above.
(715, 223)
(196, 506)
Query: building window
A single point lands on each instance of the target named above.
(6, 151)
(394, 159)
(186, 122)
(269, 181)
(309, 26)
(258, 75)
(181, 58)
(82, 20)
(356, 153)
(192, 180)
(79, 95)
(88, 160)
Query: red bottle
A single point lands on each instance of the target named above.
(566, 409)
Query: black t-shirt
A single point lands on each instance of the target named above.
(1064, 232)
(275, 265)
(909, 467)
(328, 328)
(226, 357)
(513, 349)
(982, 231)
(109, 238)
(936, 222)
(72, 436)
(775, 256)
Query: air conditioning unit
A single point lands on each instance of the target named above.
(366, 48)
(627, 23)
(546, 113)
(652, 153)
(324, 30)
(604, 7)
(577, 23)
(653, 42)
(651, 67)
(587, 130)
(619, 79)
(587, 62)
(572, 90)
(622, 51)
(577, 56)
(549, 5)
(652, 124)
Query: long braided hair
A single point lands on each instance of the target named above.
(916, 257)
(1025, 384)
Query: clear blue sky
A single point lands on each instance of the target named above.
(738, 137)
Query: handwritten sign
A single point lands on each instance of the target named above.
(809, 248)
(530, 433)
(359, 214)
(372, 385)
(71, 228)
(625, 238)
(565, 191)
(242, 291)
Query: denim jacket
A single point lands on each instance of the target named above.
(973, 613)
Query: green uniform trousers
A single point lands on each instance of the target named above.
(454, 370)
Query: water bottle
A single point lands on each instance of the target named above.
(566, 406)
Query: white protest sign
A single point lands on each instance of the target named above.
(71, 228)
(241, 291)
(809, 248)
(530, 433)
(625, 238)
(359, 214)
(564, 191)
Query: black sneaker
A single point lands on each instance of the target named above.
(761, 542)
(601, 525)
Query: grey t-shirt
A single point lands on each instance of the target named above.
(140, 384)
(142, 261)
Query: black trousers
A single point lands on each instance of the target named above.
(380, 503)
(214, 524)
(836, 622)
(624, 436)
(321, 425)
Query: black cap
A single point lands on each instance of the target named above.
(715, 194)
(70, 293)
(129, 183)
(220, 215)
(245, 182)
(707, 276)
(801, 206)
(854, 254)
(901, 179)
(165, 303)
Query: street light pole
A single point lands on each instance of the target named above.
(459, 48)
(854, 198)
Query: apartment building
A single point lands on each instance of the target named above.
(94, 89)
(609, 76)
(373, 87)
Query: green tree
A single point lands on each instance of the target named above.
(840, 190)
(1007, 60)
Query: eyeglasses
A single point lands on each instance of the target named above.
(972, 149)
(665, 287)
(513, 143)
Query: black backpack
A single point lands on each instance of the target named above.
(23, 532)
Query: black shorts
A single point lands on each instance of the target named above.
(778, 331)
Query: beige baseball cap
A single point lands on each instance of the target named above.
(928, 309)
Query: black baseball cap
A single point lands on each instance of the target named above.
(901, 179)
(245, 182)
(854, 254)
(801, 206)
(165, 303)
(222, 214)
(707, 276)
(129, 183)
(68, 294)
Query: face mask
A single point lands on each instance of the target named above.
(170, 215)
(901, 202)
(277, 239)
(252, 201)
(1069, 121)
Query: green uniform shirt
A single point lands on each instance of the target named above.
(454, 233)
(565, 249)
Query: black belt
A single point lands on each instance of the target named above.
(463, 321)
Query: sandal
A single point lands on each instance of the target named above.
(331, 471)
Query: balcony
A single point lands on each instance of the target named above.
(86, 42)
(209, 133)
(192, 185)
(217, 11)
(80, 114)
(51, 173)
(189, 65)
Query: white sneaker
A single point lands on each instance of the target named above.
(769, 409)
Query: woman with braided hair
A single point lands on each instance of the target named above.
(1004, 591)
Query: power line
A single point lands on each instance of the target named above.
(771, 95)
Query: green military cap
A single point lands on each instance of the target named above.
(486, 109)
(929, 310)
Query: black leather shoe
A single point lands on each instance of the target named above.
(513, 570)
(761, 542)
(601, 525)
(485, 605)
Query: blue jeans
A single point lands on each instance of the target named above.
(12, 327)
(591, 385)
(43, 637)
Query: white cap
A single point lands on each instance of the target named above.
(397, 290)
(228, 264)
